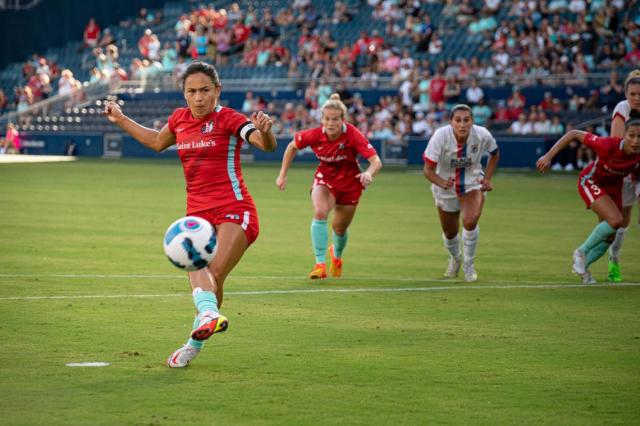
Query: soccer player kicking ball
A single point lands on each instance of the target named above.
(600, 186)
(216, 190)
(452, 163)
(337, 183)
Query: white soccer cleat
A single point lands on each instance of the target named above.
(470, 275)
(183, 356)
(454, 267)
(587, 278)
(579, 266)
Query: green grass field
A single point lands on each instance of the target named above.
(83, 278)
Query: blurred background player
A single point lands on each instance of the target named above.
(620, 116)
(338, 181)
(11, 139)
(215, 187)
(452, 163)
(600, 186)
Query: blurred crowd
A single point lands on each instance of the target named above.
(528, 42)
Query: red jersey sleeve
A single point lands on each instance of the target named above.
(302, 139)
(171, 122)
(602, 145)
(362, 144)
(238, 124)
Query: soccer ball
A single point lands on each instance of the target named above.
(190, 243)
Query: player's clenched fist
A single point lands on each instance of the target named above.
(112, 111)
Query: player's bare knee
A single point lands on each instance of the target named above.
(616, 222)
(320, 214)
(339, 230)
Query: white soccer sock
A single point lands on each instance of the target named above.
(616, 245)
(469, 244)
(452, 245)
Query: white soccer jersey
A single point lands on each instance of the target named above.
(460, 162)
(623, 109)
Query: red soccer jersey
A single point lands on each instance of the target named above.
(209, 149)
(611, 164)
(339, 158)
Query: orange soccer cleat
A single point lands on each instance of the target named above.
(319, 271)
(336, 264)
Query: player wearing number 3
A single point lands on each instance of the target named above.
(600, 186)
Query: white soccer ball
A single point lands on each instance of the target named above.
(190, 243)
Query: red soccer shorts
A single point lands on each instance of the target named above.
(590, 191)
(348, 194)
(242, 213)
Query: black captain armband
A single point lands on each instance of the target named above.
(245, 130)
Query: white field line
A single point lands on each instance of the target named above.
(390, 278)
(541, 286)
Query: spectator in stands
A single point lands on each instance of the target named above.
(542, 125)
(501, 114)
(4, 102)
(481, 113)
(437, 86)
(556, 127)
(143, 43)
(169, 57)
(66, 83)
(612, 92)
(516, 103)
(421, 127)
(473, 94)
(240, 34)
(452, 90)
(249, 103)
(11, 139)
(435, 44)
(154, 48)
(107, 38)
(91, 34)
(521, 126)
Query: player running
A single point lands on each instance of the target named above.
(452, 163)
(630, 188)
(600, 186)
(337, 183)
(208, 139)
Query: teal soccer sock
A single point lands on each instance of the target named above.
(319, 239)
(339, 243)
(596, 252)
(204, 300)
(600, 233)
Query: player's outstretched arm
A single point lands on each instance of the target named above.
(264, 137)
(150, 138)
(287, 158)
(366, 177)
(544, 162)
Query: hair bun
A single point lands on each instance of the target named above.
(334, 97)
